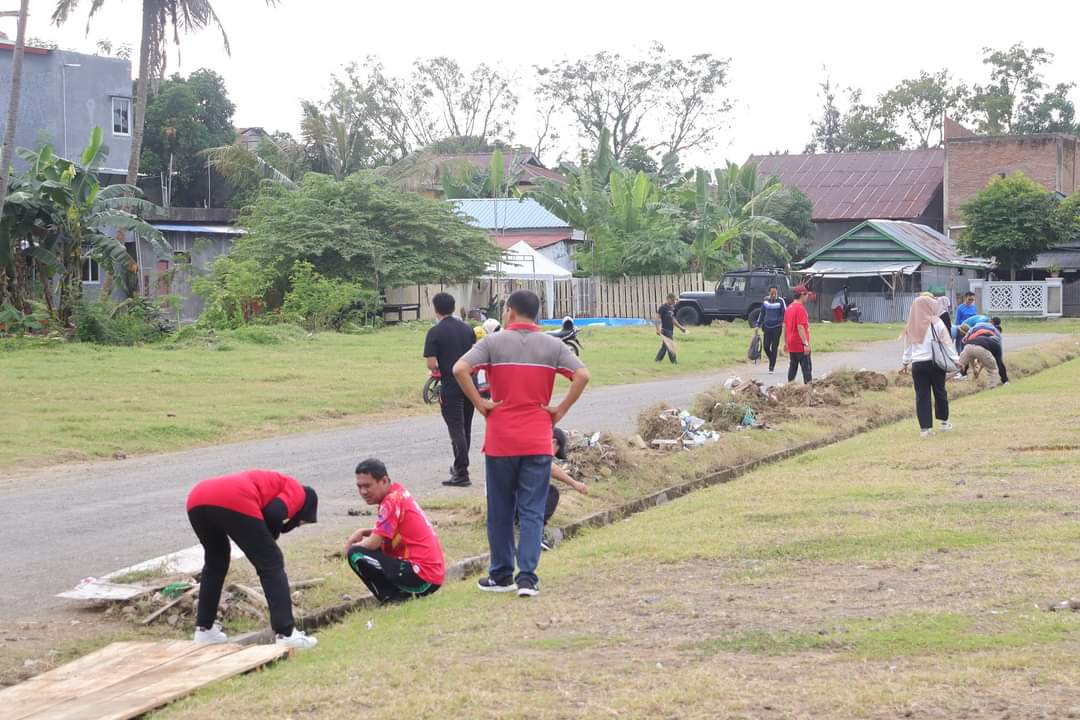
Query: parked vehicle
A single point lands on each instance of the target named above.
(430, 393)
(738, 295)
(568, 334)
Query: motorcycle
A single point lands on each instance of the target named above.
(852, 313)
(568, 333)
(430, 393)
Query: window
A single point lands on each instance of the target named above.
(91, 272)
(121, 116)
(734, 283)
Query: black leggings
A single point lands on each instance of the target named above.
(214, 526)
(388, 578)
(772, 344)
(929, 378)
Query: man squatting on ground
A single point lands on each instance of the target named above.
(551, 504)
(446, 341)
(666, 322)
(252, 508)
(521, 363)
(771, 323)
(399, 558)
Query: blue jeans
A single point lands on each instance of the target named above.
(516, 483)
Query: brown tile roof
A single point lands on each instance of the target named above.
(893, 184)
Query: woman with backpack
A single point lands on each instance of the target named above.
(930, 356)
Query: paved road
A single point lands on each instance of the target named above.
(65, 523)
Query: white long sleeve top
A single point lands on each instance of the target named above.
(919, 352)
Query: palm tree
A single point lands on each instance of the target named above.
(158, 17)
(13, 105)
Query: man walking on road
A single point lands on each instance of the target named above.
(797, 338)
(447, 341)
(665, 328)
(521, 363)
(771, 323)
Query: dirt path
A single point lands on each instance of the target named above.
(72, 521)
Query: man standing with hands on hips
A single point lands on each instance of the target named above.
(521, 363)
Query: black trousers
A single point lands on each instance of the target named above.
(388, 578)
(929, 379)
(457, 413)
(799, 359)
(771, 343)
(214, 526)
(670, 334)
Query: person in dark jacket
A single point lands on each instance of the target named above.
(771, 323)
(988, 337)
(251, 508)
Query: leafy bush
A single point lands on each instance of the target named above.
(15, 322)
(134, 321)
(234, 291)
(317, 302)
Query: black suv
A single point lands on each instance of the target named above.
(738, 295)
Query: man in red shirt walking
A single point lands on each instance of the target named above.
(252, 508)
(797, 337)
(521, 364)
(400, 558)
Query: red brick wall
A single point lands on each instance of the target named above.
(971, 163)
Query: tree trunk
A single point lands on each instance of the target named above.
(13, 104)
(141, 90)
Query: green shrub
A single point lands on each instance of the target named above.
(133, 321)
(15, 322)
(317, 302)
(234, 291)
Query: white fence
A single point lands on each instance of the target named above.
(1033, 298)
(883, 308)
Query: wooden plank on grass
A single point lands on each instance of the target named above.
(163, 684)
(114, 664)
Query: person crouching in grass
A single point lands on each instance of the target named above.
(399, 558)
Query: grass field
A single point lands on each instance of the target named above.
(881, 577)
(75, 401)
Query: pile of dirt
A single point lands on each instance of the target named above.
(658, 422)
(816, 394)
(594, 457)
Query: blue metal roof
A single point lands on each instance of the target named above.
(203, 229)
(508, 214)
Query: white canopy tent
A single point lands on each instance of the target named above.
(522, 262)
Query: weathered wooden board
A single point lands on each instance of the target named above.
(125, 680)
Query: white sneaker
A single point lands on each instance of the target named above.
(946, 426)
(959, 376)
(213, 636)
(297, 641)
(925, 433)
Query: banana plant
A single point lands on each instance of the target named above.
(59, 213)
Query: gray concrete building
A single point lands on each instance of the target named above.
(64, 96)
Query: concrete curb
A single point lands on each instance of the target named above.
(468, 567)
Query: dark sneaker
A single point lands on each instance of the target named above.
(458, 482)
(490, 584)
(527, 588)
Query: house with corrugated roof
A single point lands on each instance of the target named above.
(884, 264)
(423, 171)
(847, 189)
(509, 221)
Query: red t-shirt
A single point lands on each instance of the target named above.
(248, 492)
(793, 318)
(521, 364)
(407, 535)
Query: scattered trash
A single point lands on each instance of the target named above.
(370, 624)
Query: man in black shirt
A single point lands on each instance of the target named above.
(446, 342)
(665, 327)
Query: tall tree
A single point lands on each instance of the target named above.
(921, 103)
(477, 104)
(1013, 220)
(8, 147)
(158, 18)
(862, 127)
(183, 119)
(1017, 99)
(659, 102)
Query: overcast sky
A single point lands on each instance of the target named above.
(777, 49)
